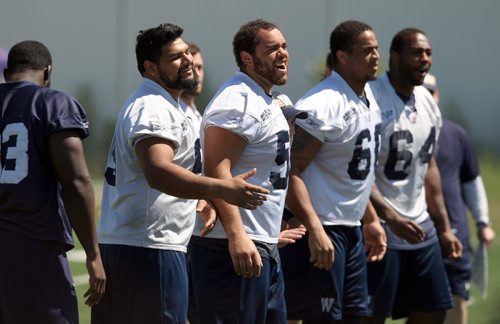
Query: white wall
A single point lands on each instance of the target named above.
(92, 43)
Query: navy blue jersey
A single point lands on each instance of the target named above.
(30, 199)
(457, 164)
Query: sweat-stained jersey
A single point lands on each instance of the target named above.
(409, 133)
(30, 195)
(133, 213)
(340, 177)
(242, 107)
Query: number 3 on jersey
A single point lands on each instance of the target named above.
(282, 157)
(15, 167)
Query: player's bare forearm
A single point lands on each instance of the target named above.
(304, 149)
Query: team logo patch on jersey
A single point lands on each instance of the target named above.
(349, 115)
(387, 114)
(312, 123)
(265, 115)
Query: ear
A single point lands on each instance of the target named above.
(342, 57)
(46, 75)
(246, 58)
(150, 68)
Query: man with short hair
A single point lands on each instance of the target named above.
(411, 280)
(334, 154)
(45, 192)
(236, 268)
(188, 96)
(148, 204)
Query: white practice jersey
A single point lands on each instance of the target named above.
(409, 136)
(133, 213)
(242, 107)
(341, 175)
(194, 114)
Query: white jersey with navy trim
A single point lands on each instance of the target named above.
(341, 175)
(409, 136)
(241, 106)
(193, 114)
(133, 213)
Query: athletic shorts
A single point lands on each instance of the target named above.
(144, 285)
(35, 281)
(314, 294)
(224, 297)
(409, 280)
(459, 272)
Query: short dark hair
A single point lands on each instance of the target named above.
(400, 40)
(244, 40)
(343, 37)
(329, 63)
(151, 41)
(28, 55)
(194, 48)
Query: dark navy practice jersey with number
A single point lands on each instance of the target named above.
(30, 201)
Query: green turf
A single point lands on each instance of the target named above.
(480, 312)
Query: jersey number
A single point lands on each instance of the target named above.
(15, 167)
(282, 157)
(399, 161)
(360, 164)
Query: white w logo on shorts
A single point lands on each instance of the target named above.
(326, 304)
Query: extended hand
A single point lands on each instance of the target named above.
(208, 215)
(244, 194)
(290, 235)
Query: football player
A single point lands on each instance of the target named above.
(333, 167)
(45, 191)
(148, 204)
(236, 269)
(411, 279)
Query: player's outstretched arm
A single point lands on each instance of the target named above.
(304, 148)
(222, 151)
(437, 210)
(155, 157)
(374, 235)
(68, 159)
(402, 227)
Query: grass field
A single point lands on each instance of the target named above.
(480, 311)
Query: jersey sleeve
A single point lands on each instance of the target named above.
(65, 113)
(323, 121)
(234, 116)
(155, 119)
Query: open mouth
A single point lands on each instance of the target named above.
(281, 67)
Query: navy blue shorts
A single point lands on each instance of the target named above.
(409, 280)
(35, 282)
(314, 294)
(144, 285)
(459, 272)
(224, 297)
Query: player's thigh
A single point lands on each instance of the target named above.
(35, 280)
(383, 279)
(355, 293)
(224, 297)
(427, 280)
(144, 286)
